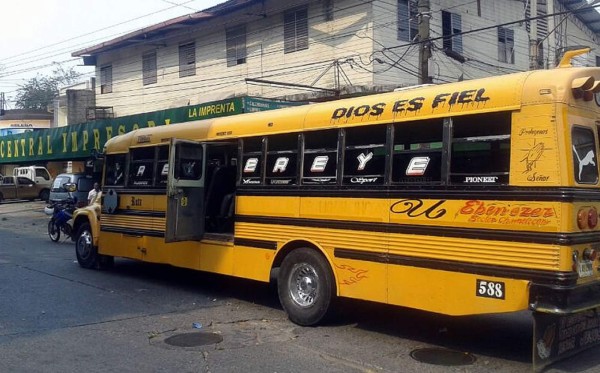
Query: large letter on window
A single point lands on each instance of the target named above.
(251, 164)
(281, 164)
(319, 163)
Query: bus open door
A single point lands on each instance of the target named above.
(185, 191)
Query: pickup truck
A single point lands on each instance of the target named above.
(12, 187)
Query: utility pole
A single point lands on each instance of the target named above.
(424, 45)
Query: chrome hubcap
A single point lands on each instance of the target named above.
(84, 244)
(304, 284)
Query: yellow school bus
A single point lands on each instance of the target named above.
(466, 198)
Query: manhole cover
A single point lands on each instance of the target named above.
(194, 339)
(442, 356)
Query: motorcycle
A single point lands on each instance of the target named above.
(62, 212)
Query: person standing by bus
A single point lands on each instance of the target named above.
(94, 195)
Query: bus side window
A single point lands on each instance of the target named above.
(585, 161)
(282, 159)
(480, 154)
(252, 161)
(141, 167)
(188, 162)
(320, 157)
(115, 166)
(364, 160)
(162, 166)
(417, 154)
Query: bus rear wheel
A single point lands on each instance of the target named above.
(306, 287)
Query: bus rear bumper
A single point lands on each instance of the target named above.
(564, 300)
(566, 321)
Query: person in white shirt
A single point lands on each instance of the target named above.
(94, 194)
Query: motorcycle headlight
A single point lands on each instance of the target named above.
(48, 210)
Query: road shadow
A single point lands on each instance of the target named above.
(209, 284)
(502, 336)
(506, 336)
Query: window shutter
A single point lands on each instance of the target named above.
(289, 32)
(328, 10)
(510, 45)
(302, 29)
(106, 79)
(149, 68)
(187, 60)
(236, 46)
(295, 30)
(456, 28)
(501, 44)
(403, 16)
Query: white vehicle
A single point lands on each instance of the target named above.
(39, 174)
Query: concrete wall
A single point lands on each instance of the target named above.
(78, 100)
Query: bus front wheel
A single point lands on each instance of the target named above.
(87, 253)
(306, 287)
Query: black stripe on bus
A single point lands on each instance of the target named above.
(133, 232)
(470, 193)
(537, 276)
(261, 244)
(551, 238)
(144, 213)
(137, 192)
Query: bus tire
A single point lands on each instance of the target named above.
(87, 253)
(306, 287)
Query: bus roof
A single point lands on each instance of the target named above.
(492, 94)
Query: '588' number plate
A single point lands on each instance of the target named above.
(490, 289)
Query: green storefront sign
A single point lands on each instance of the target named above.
(80, 141)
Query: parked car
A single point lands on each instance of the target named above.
(12, 187)
(38, 174)
(84, 183)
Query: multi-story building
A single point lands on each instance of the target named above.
(280, 49)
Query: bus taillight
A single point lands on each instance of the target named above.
(593, 218)
(582, 218)
(587, 218)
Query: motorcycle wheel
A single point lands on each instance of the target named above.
(53, 230)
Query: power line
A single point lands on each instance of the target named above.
(383, 50)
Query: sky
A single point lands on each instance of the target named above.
(34, 34)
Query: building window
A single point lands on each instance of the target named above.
(106, 79)
(295, 30)
(187, 59)
(149, 68)
(506, 45)
(407, 20)
(452, 25)
(235, 40)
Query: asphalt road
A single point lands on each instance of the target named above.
(58, 317)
